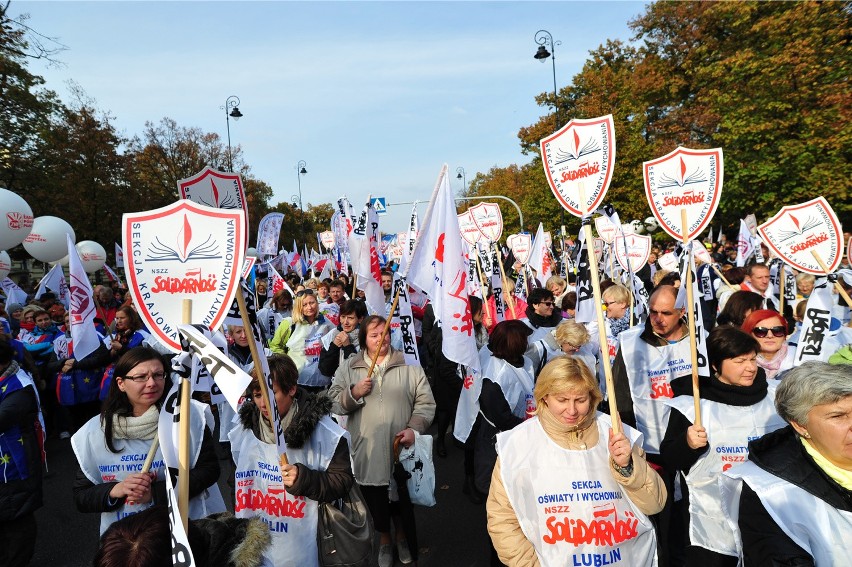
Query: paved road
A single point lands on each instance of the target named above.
(451, 534)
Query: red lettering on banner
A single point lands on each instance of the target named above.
(597, 531)
(581, 172)
(661, 390)
(192, 283)
(270, 504)
(685, 199)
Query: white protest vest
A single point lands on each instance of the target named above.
(567, 502)
(517, 384)
(650, 370)
(307, 339)
(292, 520)
(268, 319)
(729, 429)
(100, 465)
(820, 529)
(538, 333)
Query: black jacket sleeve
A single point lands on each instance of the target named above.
(98, 359)
(674, 450)
(495, 408)
(15, 408)
(329, 360)
(764, 542)
(89, 497)
(622, 391)
(330, 484)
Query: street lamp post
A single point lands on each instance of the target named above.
(300, 171)
(544, 38)
(461, 174)
(232, 103)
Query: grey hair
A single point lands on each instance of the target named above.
(805, 277)
(811, 384)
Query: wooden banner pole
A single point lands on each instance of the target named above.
(183, 433)
(596, 289)
(837, 285)
(724, 279)
(690, 314)
(384, 333)
(781, 286)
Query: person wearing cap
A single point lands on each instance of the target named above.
(15, 312)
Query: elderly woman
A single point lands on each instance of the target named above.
(318, 471)
(300, 337)
(804, 285)
(800, 471)
(566, 489)
(111, 447)
(770, 330)
(392, 402)
(736, 406)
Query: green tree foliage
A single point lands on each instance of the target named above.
(766, 81)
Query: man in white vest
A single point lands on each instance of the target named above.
(650, 358)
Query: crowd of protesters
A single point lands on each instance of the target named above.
(770, 444)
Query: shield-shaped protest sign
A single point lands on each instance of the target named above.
(183, 251)
(488, 219)
(798, 232)
(218, 189)
(248, 264)
(469, 231)
(668, 262)
(599, 246)
(327, 239)
(580, 155)
(688, 180)
(606, 229)
(632, 251)
(520, 244)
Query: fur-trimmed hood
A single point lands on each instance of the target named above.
(235, 542)
(311, 409)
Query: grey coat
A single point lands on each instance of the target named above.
(401, 398)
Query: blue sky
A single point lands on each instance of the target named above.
(374, 96)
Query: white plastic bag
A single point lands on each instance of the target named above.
(417, 460)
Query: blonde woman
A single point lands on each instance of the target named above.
(564, 471)
(300, 337)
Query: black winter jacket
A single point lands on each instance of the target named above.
(21, 497)
(781, 454)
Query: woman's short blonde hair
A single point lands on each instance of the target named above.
(566, 374)
(571, 332)
(617, 293)
(804, 277)
(555, 280)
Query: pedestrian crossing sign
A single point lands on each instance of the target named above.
(379, 205)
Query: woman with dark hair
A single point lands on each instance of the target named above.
(740, 304)
(318, 471)
(392, 402)
(129, 332)
(145, 540)
(770, 330)
(300, 337)
(736, 406)
(111, 448)
(506, 398)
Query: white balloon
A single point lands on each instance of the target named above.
(638, 227)
(5, 265)
(651, 224)
(252, 251)
(16, 219)
(92, 255)
(46, 242)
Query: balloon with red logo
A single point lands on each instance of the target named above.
(92, 255)
(46, 242)
(5, 265)
(16, 219)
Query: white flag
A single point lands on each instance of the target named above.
(540, 259)
(363, 245)
(14, 294)
(403, 320)
(81, 312)
(438, 269)
(816, 325)
(55, 282)
(181, 551)
(119, 255)
(745, 246)
(268, 232)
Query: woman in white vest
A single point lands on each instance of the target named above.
(111, 448)
(300, 337)
(736, 406)
(506, 399)
(279, 308)
(791, 503)
(569, 337)
(566, 490)
(286, 498)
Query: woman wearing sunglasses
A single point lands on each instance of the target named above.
(770, 330)
(112, 447)
(300, 337)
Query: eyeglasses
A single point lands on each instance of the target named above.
(142, 378)
(308, 291)
(546, 303)
(568, 347)
(777, 331)
(608, 303)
